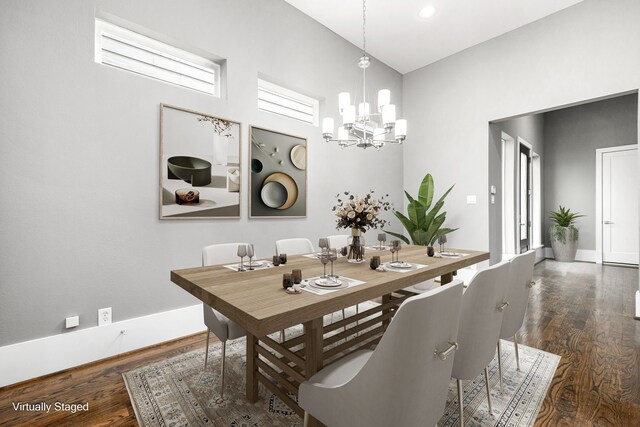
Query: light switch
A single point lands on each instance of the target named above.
(471, 200)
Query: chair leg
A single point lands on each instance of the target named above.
(282, 335)
(515, 343)
(460, 404)
(206, 349)
(486, 383)
(224, 351)
(306, 419)
(500, 364)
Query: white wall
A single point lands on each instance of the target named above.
(79, 146)
(584, 52)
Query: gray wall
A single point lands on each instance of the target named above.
(531, 129)
(572, 136)
(584, 52)
(79, 146)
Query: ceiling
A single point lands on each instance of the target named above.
(397, 36)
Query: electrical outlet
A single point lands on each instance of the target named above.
(72, 322)
(104, 316)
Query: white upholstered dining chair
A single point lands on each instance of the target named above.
(520, 282)
(404, 381)
(483, 306)
(338, 241)
(216, 322)
(295, 246)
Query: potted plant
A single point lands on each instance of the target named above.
(564, 234)
(424, 222)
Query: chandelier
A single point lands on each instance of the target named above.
(368, 128)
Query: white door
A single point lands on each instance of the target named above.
(620, 206)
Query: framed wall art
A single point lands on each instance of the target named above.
(278, 183)
(199, 165)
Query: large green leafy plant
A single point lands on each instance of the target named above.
(423, 222)
(563, 219)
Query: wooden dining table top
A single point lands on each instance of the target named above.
(257, 301)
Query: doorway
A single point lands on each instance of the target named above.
(617, 205)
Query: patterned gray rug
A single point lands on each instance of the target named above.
(179, 392)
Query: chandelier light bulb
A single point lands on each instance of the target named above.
(389, 114)
(349, 115)
(327, 126)
(344, 100)
(401, 128)
(384, 98)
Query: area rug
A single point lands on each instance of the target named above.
(179, 392)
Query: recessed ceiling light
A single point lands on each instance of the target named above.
(427, 12)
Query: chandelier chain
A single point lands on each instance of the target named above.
(364, 21)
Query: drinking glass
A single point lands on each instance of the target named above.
(296, 275)
(333, 255)
(276, 260)
(323, 244)
(250, 254)
(392, 248)
(382, 237)
(398, 245)
(283, 258)
(375, 262)
(242, 252)
(287, 280)
(324, 259)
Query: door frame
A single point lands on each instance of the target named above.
(599, 157)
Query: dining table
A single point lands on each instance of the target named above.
(257, 301)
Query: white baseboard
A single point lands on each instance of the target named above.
(582, 255)
(637, 305)
(35, 358)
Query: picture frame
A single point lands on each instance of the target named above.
(278, 176)
(200, 167)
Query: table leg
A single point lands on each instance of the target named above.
(446, 278)
(314, 344)
(252, 368)
(385, 299)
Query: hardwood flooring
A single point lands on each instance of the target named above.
(582, 312)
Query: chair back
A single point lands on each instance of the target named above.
(338, 241)
(480, 321)
(520, 277)
(221, 253)
(294, 246)
(404, 383)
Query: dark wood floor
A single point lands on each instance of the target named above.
(582, 312)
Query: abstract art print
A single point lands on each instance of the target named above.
(199, 165)
(278, 184)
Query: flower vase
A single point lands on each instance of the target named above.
(356, 248)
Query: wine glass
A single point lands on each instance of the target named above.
(324, 259)
(323, 244)
(442, 239)
(382, 237)
(398, 245)
(392, 248)
(250, 254)
(242, 252)
(333, 255)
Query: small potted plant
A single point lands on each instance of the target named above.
(424, 223)
(564, 234)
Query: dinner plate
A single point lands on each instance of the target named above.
(400, 264)
(449, 254)
(289, 184)
(299, 156)
(255, 264)
(328, 283)
(273, 194)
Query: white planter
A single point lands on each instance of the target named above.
(220, 149)
(564, 251)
